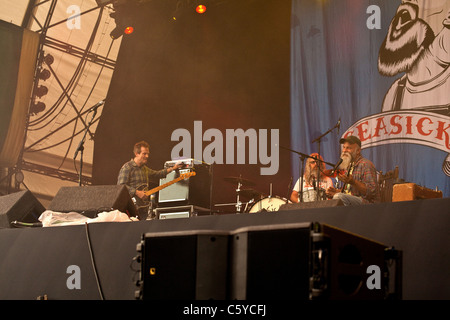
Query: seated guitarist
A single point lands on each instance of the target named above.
(358, 175)
(135, 174)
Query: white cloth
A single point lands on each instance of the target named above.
(52, 218)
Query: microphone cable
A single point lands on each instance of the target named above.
(94, 267)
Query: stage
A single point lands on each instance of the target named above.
(38, 262)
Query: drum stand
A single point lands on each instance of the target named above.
(261, 197)
(240, 182)
(238, 202)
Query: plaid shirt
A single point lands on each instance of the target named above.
(134, 176)
(365, 171)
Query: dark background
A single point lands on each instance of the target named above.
(228, 68)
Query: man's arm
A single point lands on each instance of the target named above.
(159, 174)
(124, 177)
(367, 186)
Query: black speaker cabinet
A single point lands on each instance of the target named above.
(293, 261)
(184, 265)
(271, 262)
(20, 206)
(305, 261)
(91, 200)
(195, 190)
(349, 259)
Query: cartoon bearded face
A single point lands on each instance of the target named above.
(418, 44)
(411, 32)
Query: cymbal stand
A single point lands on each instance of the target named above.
(302, 158)
(238, 202)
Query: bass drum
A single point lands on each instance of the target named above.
(268, 204)
(310, 195)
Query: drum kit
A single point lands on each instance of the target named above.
(260, 202)
(257, 201)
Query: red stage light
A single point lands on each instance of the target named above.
(129, 30)
(200, 8)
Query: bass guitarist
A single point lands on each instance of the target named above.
(135, 174)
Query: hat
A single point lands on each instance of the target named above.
(351, 140)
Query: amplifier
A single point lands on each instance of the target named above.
(196, 191)
(188, 163)
(181, 212)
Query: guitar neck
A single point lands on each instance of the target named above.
(152, 191)
(350, 171)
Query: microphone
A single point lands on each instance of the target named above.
(98, 104)
(338, 125)
(337, 165)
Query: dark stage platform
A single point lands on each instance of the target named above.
(36, 261)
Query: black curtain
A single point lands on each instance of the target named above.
(228, 68)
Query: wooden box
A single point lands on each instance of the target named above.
(411, 191)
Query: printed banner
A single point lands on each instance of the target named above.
(417, 127)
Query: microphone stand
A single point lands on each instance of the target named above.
(81, 147)
(302, 166)
(318, 140)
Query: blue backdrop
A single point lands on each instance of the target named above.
(336, 75)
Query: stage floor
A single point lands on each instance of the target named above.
(35, 261)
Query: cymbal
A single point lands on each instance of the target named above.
(241, 180)
(250, 193)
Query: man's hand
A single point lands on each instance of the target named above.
(358, 185)
(331, 191)
(346, 179)
(178, 165)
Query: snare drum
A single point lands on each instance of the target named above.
(310, 195)
(268, 204)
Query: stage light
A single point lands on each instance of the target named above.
(120, 30)
(102, 3)
(200, 8)
(37, 107)
(116, 33)
(41, 91)
(129, 30)
(123, 14)
(44, 75)
(48, 59)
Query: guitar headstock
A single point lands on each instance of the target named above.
(187, 175)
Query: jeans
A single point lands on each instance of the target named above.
(348, 199)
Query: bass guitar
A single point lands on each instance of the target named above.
(139, 203)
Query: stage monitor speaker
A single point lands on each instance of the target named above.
(91, 200)
(312, 205)
(194, 191)
(350, 257)
(271, 263)
(305, 261)
(20, 206)
(292, 261)
(183, 265)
